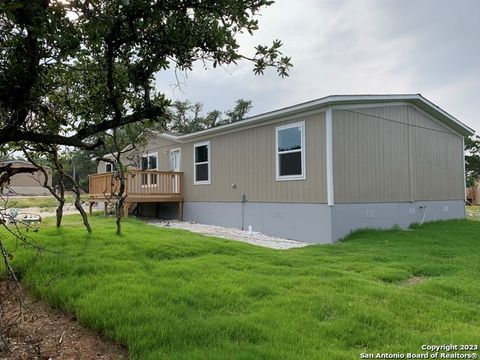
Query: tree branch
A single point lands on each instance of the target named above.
(8, 134)
(7, 171)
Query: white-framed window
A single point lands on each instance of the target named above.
(201, 163)
(149, 162)
(290, 151)
(108, 167)
(176, 159)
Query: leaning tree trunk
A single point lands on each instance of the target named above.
(119, 207)
(78, 205)
(78, 202)
(76, 191)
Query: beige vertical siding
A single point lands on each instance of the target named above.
(101, 167)
(247, 158)
(161, 146)
(155, 144)
(378, 157)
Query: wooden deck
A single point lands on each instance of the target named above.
(150, 186)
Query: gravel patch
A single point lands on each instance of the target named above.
(473, 212)
(68, 209)
(254, 238)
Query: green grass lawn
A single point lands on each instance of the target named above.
(171, 294)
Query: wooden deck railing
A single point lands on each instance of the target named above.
(140, 186)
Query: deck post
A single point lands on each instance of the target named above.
(105, 208)
(126, 209)
(180, 210)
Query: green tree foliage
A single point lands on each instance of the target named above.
(74, 73)
(70, 70)
(186, 117)
(79, 164)
(242, 107)
(472, 159)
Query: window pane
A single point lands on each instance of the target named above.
(201, 172)
(291, 164)
(144, 163)
(290, 139)
(152, 162)
(201, 153)
(108, 167)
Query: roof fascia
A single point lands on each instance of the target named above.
(333, 100)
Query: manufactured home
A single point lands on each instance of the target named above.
(313, 172)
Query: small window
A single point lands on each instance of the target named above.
(149, 162)
(201, 169)
(144, 163)
(290, 151)
(108, 167)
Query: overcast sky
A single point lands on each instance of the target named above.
(430, 47)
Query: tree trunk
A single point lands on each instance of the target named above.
(59, 213)
(119, 222)
(78, 205)
(60, 197)
(120, 202)
(76, 191)
(61, 202)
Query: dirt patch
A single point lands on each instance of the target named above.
(39, 332)
(415, 280)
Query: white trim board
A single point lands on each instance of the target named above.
(464, 174)
(329, 155)
(179, 149)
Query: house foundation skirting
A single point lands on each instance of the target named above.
(349, 217)
(303, 222)
(319, 223)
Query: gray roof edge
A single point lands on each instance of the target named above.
(331, 100)
(455, 123)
